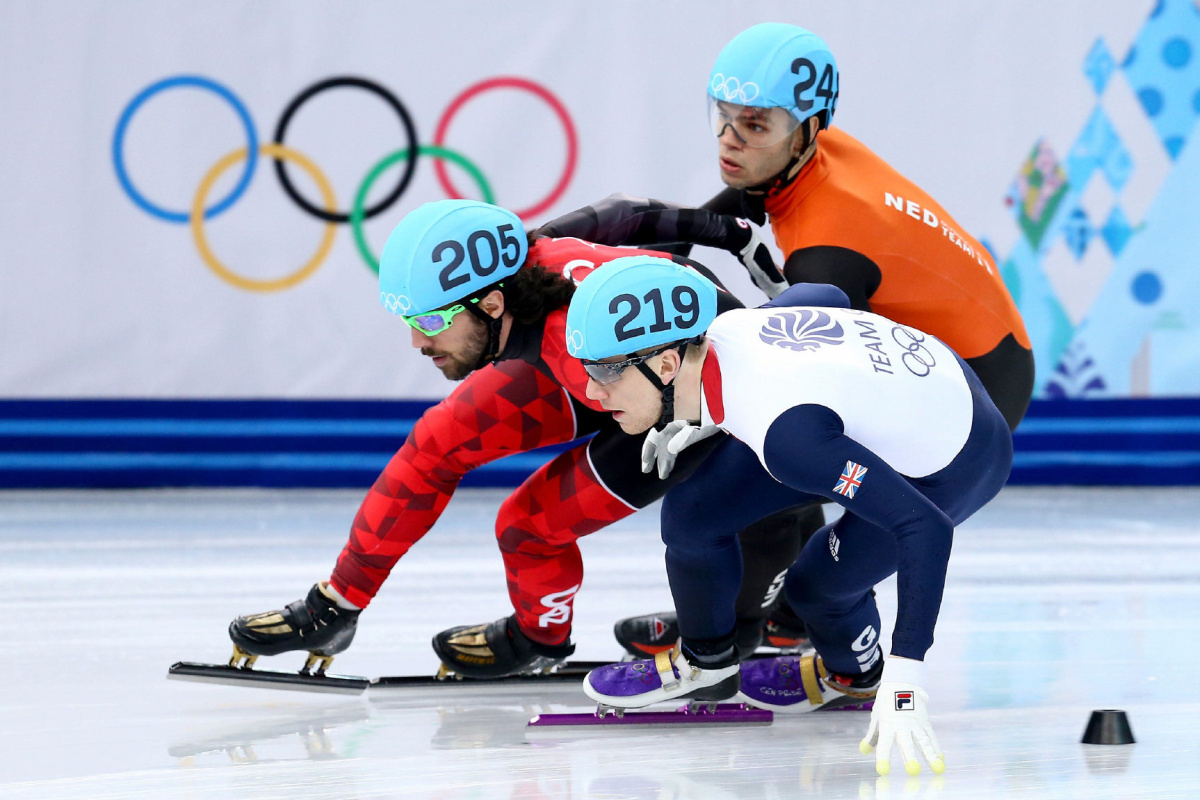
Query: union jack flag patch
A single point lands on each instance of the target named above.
(851, 479)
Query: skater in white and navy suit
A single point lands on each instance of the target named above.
(821, 401)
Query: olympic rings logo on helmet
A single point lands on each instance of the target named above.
(396, 304)
(732, 90)
(326, 210)
(574, 341)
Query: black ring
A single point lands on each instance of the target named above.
(391, 100)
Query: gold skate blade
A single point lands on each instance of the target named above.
(241, 658)
(320, 662)
(266, 679)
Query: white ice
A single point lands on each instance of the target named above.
(1059, 601)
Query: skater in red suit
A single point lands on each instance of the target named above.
(489, 308)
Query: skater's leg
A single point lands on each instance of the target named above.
(830, 588)
(769, 547)
(579, 492)
(704, 570)
(537, 528)
(704, 563)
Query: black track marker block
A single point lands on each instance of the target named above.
(1108, 726)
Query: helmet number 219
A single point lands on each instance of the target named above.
(683, 298)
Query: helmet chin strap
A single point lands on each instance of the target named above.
(495, 326)
(667, 389)
(784, 178)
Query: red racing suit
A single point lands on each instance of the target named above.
(533, 396)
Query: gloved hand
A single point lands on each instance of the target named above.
(901, 715)
(665, 445)
(759, 263)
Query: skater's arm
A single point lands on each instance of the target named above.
(487, 417)
(622, 219)
(807, 449)
(849, 270)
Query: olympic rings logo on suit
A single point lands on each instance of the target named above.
(327, 210)
(733, 89)
(916, 358)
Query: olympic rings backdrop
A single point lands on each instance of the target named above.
(359, 212)
(195, 194)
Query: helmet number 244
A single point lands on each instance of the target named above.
(825, 89)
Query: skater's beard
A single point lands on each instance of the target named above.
(462, 363)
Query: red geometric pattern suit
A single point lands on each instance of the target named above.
(508, 407)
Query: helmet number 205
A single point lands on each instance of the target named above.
(683, 298)
(484, 252)
(825, 89)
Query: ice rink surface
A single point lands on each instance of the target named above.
(1059, 601)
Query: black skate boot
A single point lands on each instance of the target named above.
(785, 631)
(495, 650)
(651, 634)
(647, 635)
(316, 624)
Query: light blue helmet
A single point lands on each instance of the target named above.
(775, 64)
(635, 303)
(446, 251)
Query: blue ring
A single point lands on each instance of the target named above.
(136, 103)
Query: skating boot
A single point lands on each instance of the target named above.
(316, 624)
(495, 650)
(647, 635)
(785, 630)
(671, 675)
(651, 634)
(796, 684)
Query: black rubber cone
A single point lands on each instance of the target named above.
(1108, 726)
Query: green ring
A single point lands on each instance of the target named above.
(360, 199)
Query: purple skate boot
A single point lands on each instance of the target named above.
(796, 684)
(667, 676)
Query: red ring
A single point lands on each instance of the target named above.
(510, 83)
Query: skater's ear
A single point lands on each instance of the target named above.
(668, 366)
(492, 303)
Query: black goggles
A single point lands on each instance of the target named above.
(606, 372)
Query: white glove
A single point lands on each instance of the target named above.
(901, 715)
(759, 263)
(665, 445)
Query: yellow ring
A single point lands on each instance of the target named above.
(197, 220)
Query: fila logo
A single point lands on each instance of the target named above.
(558, 607)
(774, 589)
(905, 701)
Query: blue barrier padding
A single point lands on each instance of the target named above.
(1127, 442)
(347, 443)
